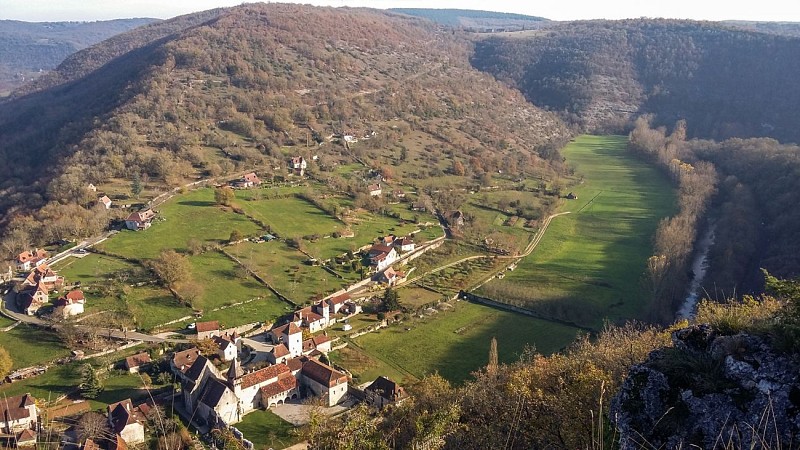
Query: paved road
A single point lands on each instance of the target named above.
(9, 310)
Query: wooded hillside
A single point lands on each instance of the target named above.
(474, 20)
(214, 92)
(725, 82)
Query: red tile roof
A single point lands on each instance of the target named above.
(289, 328)
(380, 248)
(137, 360)
(312, 317)
(37, 254)
(280, 350)
(262, 375)
(340, 298)
(286, 382)
(323, 373)
(404, 241)
(75, 295)
(184, 360)
(296, 364)
(16, 407)
(142, 216)
(26, 436)
(122, 414)
(320, 339)
(212, 325)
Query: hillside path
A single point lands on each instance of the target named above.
(528, 250)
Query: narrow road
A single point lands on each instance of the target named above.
(10, 301)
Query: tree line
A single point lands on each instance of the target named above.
(667, 273)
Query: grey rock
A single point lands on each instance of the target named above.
(748, 397)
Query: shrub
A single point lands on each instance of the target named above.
(748, 314)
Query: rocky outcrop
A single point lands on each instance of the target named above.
(711, 391)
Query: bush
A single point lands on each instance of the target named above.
(748, 314)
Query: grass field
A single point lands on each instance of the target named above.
(222, 287)
(291, 216)
(266, 430)
(65, 378)
(286, 270)
(58, 380)
(589, 264)
(92, 268)
(365, 368)
(153, 306)
(190, 215)
(413, 297)
(455, 343)
(29, 345)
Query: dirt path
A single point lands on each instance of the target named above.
(528, 250)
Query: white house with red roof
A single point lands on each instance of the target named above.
(316, 345)
(404, 244)
(30, 259)
(31, 298)
(382, 256)
(72, 303)
(127, 421)
(140, 220)
(278, 354)
(207, 330)
(291, 336)
(135, 362)
(105, 201)
(18, 413)
(45, 275)
(226, 347)
(375, 190)
(391, 277)
(248, 180)
(324, 381)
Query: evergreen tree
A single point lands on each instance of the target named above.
(91, 385)
(390, 301)
(136, 185)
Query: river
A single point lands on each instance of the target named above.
(699, 268)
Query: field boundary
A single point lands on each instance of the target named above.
(485, 301)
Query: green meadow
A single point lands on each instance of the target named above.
(589, 265)
(455, 342)
(192, 215)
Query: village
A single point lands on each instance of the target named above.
(220, 375)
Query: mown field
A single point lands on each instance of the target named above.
(455, 342)
(29, 345)
(191, 215)
(588, 266)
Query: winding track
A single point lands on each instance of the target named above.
(528, 250)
